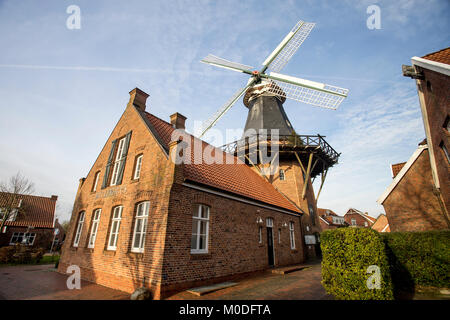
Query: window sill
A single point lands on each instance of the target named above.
(135, 180)
(200, 256)
(109, 252)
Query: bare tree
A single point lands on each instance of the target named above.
(10, 192)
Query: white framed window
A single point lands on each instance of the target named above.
(118, 161)
(94, 227)
(23, 238)
(260, 235)
(76, 240)
(292, 234)
(115, 226)
(281, 173)
(94, 186)
(137, 167)
(353, 222)
(269, 222)
(200, 226)
(140, 227)
(366, 224)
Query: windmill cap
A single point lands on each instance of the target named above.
(258, 90)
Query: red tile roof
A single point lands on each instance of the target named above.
(396, 168)
(236, 178)
(322, 212)
(38, 211)
(442, 56)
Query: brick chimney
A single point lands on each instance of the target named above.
(138, 98)
(54, 197)
(177, 120)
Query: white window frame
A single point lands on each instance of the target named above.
(97, 175)
(137, 169)
(76, 240)
(142, 210)
(292, 234)
(198, 220)
(282, 175)
(25, 238)
(118, 161)
(366, 224)
(94, 227)
(353, 222)
(269, 222)
(116, 218)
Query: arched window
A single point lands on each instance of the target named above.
(115, 226)
(94, 228)
(80, 223)
(140, 227)
(200, 226)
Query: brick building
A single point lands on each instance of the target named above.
(356, 218)
(419, 196)
(381, 224)
(140, 218)
(31, 223)
(330, 220)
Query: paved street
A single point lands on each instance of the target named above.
(299, 285)
(42, 282)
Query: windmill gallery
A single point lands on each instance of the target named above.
(141, 219)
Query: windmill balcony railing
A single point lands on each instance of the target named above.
(289, 141)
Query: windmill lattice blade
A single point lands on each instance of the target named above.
(301, 30)
(213, 120)
(318, 98)
(222, 63)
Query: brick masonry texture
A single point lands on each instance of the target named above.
(167, 265)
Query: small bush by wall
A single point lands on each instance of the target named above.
(347, 255)
(419, 258)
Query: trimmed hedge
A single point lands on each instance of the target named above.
(419, 258)
(347, 255)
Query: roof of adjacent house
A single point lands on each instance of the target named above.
(396, 168)
(402, 173)
(236, 178)
(323, 211)
(363, 214)
(36, 211)
(381, 224)
(442, 56)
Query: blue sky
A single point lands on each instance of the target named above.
(55, 118)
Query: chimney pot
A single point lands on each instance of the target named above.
(178, 120)
(138, 98)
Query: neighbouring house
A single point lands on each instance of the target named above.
(356, 218)
(330, 220)
(59, 235)
(32, 222)
(410, 202)
(381, 224)
(141, 218)
(419, 196)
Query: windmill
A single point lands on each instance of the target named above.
(301, 157)
(276, 84)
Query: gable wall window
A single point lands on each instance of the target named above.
(353, 222)
(80, 223)
(137, 167)
(292, 234)
(94, 227)
(140, 227)
(115, 226)
(118, 162)
(200, 225)
(94, 186)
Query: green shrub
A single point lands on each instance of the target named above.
(419, 258)
(347, 255)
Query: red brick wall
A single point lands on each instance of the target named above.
(435, 89)
(167, 263)
(412, 205)
(43, 238)
(360, 221)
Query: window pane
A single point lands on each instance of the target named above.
(194, 226)
(203, 227)
(138, 225)
(202, 243)
(137, 240)
(194, 241)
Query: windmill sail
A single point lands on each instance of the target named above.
(306, 91)
(212, 121)
(286, 49)
(222, 63)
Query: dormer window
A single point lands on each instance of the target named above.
(281, 173)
